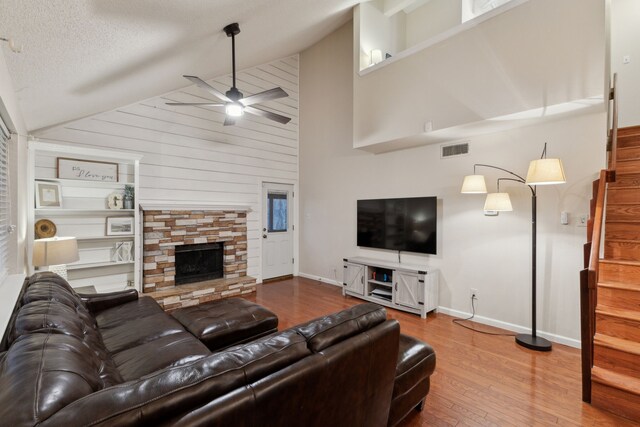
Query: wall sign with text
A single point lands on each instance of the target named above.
(87, 170)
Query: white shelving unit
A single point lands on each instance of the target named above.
(84, 214)
(405, 287)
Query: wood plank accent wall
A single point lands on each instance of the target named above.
(189, 156)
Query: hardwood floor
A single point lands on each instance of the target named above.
(480, 380)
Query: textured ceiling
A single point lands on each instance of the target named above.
(84, 57)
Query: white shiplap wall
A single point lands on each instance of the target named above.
(189, 156)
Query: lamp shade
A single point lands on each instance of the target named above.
(499, 202)
(55, 251)
(545, 172)
(474, 184)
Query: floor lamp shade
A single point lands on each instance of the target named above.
(500, 202)
(474, 184)
(545, 172)
(55, 252)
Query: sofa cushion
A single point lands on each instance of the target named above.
(54, 317)
(43, 290)
(42, 373)
(139, 331)
(219, 324)
(121, 314)
(169, 350)
(329, 330)
(157, 398)
(416, 360)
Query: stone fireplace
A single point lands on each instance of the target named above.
(195, 255)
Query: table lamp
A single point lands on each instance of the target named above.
(55, 252)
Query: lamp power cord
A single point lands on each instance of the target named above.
(473, 314)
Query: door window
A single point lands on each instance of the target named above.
(277, 209)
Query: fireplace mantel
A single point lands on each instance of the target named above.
(164, 205)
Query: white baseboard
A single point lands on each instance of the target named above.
(510, 326)
(320, 279)
(480, 319)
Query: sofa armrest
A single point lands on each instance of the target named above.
(99, 302)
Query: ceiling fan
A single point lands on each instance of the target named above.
(235, 104)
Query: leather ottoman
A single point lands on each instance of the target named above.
(226, 322)
(416, 363)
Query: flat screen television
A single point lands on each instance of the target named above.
(407, 224)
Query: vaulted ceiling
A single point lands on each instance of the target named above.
(84, 57)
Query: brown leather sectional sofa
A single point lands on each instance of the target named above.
(116, 359)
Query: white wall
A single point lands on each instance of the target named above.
(190, 156)
(17, 169)
(491, 254)
(432, 19)
(625, 40)
(540, 53)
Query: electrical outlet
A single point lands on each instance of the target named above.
(473, 293)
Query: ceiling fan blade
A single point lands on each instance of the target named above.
(204, 104)
(206, 86)
(229, 121)
(267, 114)
(267, 95)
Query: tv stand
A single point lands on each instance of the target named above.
(405, 287)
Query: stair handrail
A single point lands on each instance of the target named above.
(589, 276)
(589, 284)
(612, 123)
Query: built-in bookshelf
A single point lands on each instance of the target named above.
(84, 211)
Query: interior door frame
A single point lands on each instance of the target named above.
(294, 220)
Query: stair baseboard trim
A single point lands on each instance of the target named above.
(571, 342)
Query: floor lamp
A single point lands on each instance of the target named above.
(542, 171)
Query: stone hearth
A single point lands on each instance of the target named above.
(166, 229)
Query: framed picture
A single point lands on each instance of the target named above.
(87, 170)
(119, 225)
(48, 195)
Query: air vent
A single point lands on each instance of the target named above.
(452, 150)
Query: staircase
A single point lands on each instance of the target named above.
(615, 364)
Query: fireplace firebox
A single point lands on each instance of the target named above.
(197, 263)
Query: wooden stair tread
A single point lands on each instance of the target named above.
(622, 241)
(618, 312)
(617, 343)
(621, 285)
(616, 380)
(619, 262)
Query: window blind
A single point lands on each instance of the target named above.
(4, 202)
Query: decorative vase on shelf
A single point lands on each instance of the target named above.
(128, 202)
(128, 196)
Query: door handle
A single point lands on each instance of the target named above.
(264, 236)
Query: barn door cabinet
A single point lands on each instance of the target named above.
(405, 287)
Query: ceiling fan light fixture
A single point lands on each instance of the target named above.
(234, 109)
(234, 102)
